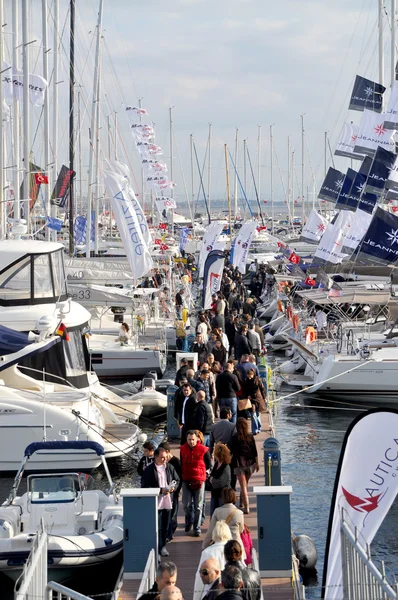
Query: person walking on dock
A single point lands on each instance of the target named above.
(223, 430)
(232, 582)
(161, 474)
(208, 580)
(251, 589)
(184, 406)
(203, 417)
(227, 385)
(166, 575)
(244, 459)
(195, 461)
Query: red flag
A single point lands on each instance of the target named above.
(164, 247)
(394, 209)
(310, 281)
(294, 258)
(63, 332)
(162, 226)
(157, 241)
(40, 178)
(281, 245)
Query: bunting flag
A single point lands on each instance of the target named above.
(309, 281)
(209, 243)
(62, 332)
(164, 203)
(159, 182)
(314, 228)
(151, 165)
(242, 246)
(331, 243)
(61, 191)
(40, 178)
(367, 202)
(359, 227)
(123, 171)
(184, 238)
(332, 185)
(379, 173)
(365, 488)
(372, 134)
(127, 215)
(213, 270)
(380, 244)
(344, 201)
(346, 143)
(148, 149)
(80, 229)
(367, 94)
(13, 81)
(391, 114)
(134, 113)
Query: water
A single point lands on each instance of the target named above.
(311, 440)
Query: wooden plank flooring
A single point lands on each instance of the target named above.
(185, 549)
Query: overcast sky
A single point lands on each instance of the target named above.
(231, 63)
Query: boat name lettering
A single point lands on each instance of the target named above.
(7, 410)
(384, 466)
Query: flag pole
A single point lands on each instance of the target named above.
(272, 180)
(393, 48)
(55, 115)
(209, 168)
(236, 175)
(381, 42)
(46, 119)
(26, 110)
(302, 171)
(228, 194)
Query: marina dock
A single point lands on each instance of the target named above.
(185, 549)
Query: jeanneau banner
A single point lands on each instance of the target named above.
(123, 206)
(332, 185)
(314, 228)
(213, 270)
(367, 94)
(391, 114)
(380, 244)
(379, 172)
(359, 226)
(372, 134)
(344, 200)
(365, 488)
(359, 183)
(346, 143)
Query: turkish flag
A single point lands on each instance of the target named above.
(157, 241)
(310, 281)
(394, 208)
(294, 258)
(40, 178)
(281, 245)
(164, 247)
(162, 226)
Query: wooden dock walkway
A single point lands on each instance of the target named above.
(185, 549)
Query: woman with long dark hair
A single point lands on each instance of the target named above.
(244, 459)
(220, 477)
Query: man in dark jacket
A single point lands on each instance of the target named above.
(166, 575)
(161, 474)
(176, 463)
(199, 347)
(147, 458)
(242, 344)
(227, 385)
(210, 572)
(184, 366)
(203, 417)
(232, 582)
(218, 321)
(184, 406)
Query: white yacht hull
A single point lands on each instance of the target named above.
(110, 359)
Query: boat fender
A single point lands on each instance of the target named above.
(6, 530)
(305, 550)
(364, 353)
(142, 437)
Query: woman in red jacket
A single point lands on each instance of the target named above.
(195, 460)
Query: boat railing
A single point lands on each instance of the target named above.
(148, 577)
(361, 577)
(43, 374)
(56, 591)
(33, 580)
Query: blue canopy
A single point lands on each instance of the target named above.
(72, 445)
(12, 341)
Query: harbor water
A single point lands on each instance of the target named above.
(310, 433)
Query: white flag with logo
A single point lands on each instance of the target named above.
(372, 133)
(165, 203)
(365, 487)
(123, 170)
(134, 113)
(124, 208)
(314, 228)
(210, 242)
(391, 114)
(242, 245)
(13, 81)
(213, 270)
(359, 226)
(346, 143)
(331, 244)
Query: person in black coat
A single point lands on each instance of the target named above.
(242, 344)
(251, 588)
(181, 373)
(161, 474)
(184, 406)
(232, 582)
(176, 463)
(202, 417)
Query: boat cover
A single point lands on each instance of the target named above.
(72, 445)
(12, 341)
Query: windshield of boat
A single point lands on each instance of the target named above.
(52, 489)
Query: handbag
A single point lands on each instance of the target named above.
(244, 404)
(208, 486)
(194, 486)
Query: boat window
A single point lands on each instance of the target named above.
(57, 259)
(15, 281)
(42, 281)
(75, 360)
(54, 489)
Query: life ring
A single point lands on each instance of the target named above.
(310, 335)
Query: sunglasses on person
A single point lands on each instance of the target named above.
(204, 571)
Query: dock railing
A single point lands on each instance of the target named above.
(148, 577)
(33, 580)
(56, 591)
(362, 580)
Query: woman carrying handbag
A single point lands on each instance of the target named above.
(220, 476)
(244, 459)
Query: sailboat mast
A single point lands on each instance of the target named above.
(381, 42)
(171, 164)
(192, 176)
(272, 179)
(46, 117)
(236, 174)
(71, 125)
(2, 204)
(15, 114)
(288, 178)
(55, 116)
(26, 110)
(93, 132)
(228, 194)
(302, 171)
(209, 169)
(258, 162)
(393, 48)
(244, 167)
(293, 201)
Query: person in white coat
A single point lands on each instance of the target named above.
(221, 534)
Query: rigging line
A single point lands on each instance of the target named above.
(254, 183)
(201, 173)
(331, 153)
(240, 184)
(283, 185)
(201, 181)
(183, 179)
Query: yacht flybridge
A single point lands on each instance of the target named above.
(46, 391)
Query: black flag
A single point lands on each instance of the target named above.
(61, 190)
(344, 196)
(382, 164)
(380, 244)
(332, 185)
(367, 94)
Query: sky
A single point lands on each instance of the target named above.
(237, 64)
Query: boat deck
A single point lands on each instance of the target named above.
(185, 550)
